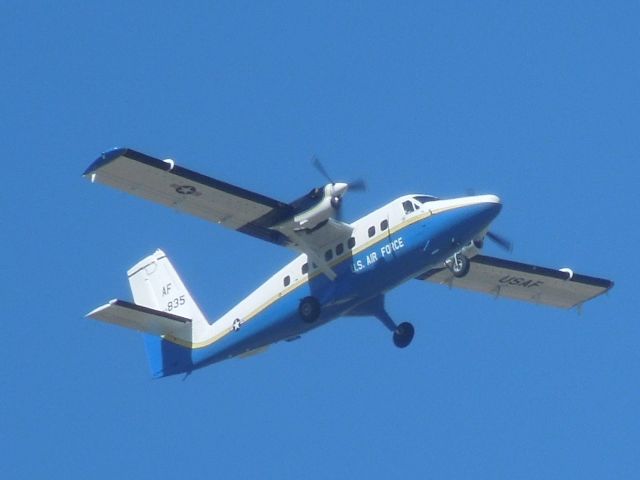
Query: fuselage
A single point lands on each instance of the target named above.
(389, 246)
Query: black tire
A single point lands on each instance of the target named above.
(460, 266)
(309, 309)
(403, 335)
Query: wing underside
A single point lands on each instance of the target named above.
(520, 281)
(143, 319)
(164, 182)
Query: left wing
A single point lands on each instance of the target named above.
(504, 278)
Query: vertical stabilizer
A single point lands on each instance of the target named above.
(155, 284)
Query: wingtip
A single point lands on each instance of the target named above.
(102, 160)
(92, 313)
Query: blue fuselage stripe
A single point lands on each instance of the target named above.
(394, 259)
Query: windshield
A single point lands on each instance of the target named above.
(425, 198)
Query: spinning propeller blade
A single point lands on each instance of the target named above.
(500, 241)
(357, 185)
(320, 167)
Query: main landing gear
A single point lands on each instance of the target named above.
(402, 334)
(309, 309)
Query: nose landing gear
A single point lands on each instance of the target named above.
(458, 265)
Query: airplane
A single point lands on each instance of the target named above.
(341, 270)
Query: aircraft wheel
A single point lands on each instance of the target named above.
(403, 335)
(459, 265)
(309, 309)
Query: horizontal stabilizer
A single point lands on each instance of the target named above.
(141, 318)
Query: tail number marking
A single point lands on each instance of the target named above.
(175, 303)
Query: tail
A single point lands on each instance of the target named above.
(155, 284)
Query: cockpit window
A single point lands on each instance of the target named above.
(408, 206)
(425, 198)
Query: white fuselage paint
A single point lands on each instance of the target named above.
(205, 334)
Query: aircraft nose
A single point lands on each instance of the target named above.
(490, 205)
(492, 199)
(494, 204)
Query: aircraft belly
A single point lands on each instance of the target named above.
(384, 265)
(277, 322)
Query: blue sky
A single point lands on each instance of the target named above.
(537, 102)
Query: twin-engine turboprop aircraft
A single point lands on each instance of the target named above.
(342, 269)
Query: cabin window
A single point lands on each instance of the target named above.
(328, 255)
(372, 231)
(384, 224)
(408, 206)
(339, 249)
(351, 242)
(305, 268)
(287, 281)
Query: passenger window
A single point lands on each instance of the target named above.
(339, 249)
(305, 268)
(287, 281)
(351, 242)
(408, 206)
(372, 231)
(384, 225)
(328, 255)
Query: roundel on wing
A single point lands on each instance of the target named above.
(186, 189)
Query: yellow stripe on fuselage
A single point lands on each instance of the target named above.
(307, 278)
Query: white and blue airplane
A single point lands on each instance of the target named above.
(343, 269)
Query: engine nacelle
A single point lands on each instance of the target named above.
(318, 213)
(315, 208)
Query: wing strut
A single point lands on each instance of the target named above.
(315, 258)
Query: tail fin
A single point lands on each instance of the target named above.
(155, 284)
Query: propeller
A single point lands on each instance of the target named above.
(500, 241)
(320, 167)
(358, 185)
(338, 189)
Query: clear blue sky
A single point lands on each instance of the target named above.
(538, 102)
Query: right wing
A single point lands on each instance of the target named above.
(505, 278)
(164, 182)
